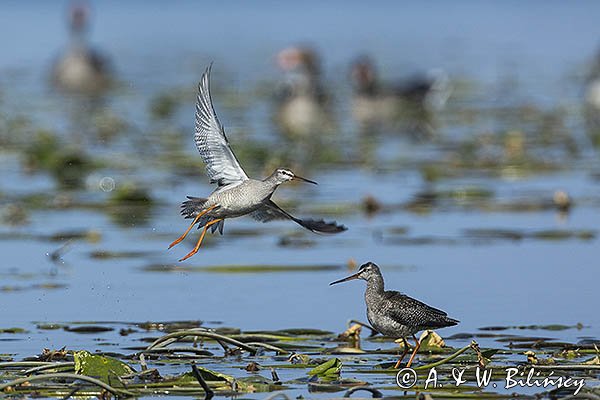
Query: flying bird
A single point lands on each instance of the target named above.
(236, 194)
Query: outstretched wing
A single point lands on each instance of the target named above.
(222, 167)
(271, 211)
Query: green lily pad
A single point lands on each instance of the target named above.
(100, 367)
(329, 370)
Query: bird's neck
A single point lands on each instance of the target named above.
(368, 88)
(272, 179)
(271, 183)
(78, 40)
(375, 285)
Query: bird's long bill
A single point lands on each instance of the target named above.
(299, 178)
(346, 279)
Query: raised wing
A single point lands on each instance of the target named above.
(271, 211)
(222, 167)
(412, 312)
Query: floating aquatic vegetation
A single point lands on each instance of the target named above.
(514, 234)
(296, 240)
(88, 235)
(257, 155)
(130, 205)
(100, 367)
(554, 327)
(371, 205)
(37, 286)
(129, 194)
(327, 371)
(50, 326)
(431, 341)
(42, 150)
(187, 362)
(68, 165)
(14, 129)
(14, 214)
(240, 269)
(168, 326)
(164, 105)
(12, 330)
(108, 124)
(91, 329)
(111, 255)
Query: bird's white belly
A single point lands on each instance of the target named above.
(238, 211)
(370, 110)
(301, 116)
(593, 95)
(75, 72)
(236, 202)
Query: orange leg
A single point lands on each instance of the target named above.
(403, 354)
(191, 253)
(418, 344)
(190, 228)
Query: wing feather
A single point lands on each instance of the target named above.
(412, 312)
(271, 211)
(222, 166)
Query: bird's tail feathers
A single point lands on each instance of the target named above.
(219, 225)
(444, 322)
(192, 207)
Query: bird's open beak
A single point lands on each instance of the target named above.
(299, 178)
(346, 279)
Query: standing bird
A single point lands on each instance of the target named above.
(395, 314)
(81, 69)
(236, 194)
(302, 103)
(374, 101)
(592, 102)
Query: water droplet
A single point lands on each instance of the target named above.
(107, 184)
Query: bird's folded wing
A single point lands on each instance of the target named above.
(271, 211)
(412, 312)
(222, 167)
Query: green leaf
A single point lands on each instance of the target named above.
(100, 367)
(488, 353)
(329, 370)
(210, 375)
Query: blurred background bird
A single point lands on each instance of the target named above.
(81, 68)
(302, 107)
(592, 100)
(374, 101)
